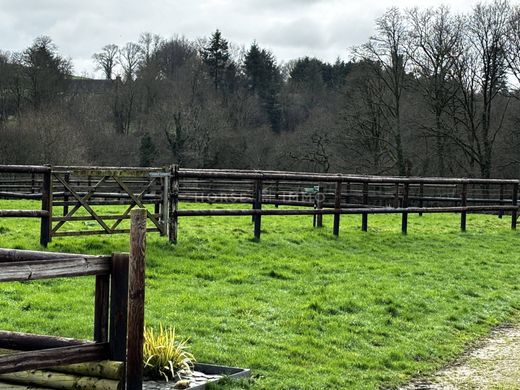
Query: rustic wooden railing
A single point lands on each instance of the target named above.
(338, 194)
(44, 193)
(118, 313)
(85, 188)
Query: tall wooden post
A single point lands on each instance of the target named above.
(118, 306)
(514, 201)
(404, 222)
(337, 206)
(135, 333)
(46, 222)
(464, 203)
(257, 205)
(102, 308)
(364, 216)
(173, 195)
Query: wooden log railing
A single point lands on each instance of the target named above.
(74, 188)
(118, 313)
(342, 194)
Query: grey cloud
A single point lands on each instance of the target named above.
(290, 28)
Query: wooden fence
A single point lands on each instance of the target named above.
(72, 189)
(338, 194)
(118, 311)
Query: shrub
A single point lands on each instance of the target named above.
(164, 356)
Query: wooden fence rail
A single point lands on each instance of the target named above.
(118, 313)
(66, 190)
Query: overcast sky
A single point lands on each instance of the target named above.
(290, 28)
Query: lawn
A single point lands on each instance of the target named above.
(302, 309)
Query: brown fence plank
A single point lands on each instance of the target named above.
(57, 268)
(32, 360)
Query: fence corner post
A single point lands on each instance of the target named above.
(136, 288)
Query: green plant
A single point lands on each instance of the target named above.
(164, 356)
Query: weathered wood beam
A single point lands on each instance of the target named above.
(53, 268)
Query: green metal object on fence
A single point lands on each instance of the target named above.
(312, 190)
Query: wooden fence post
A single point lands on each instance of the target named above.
(337, 206)
(514, 201)
(46, 222)
(464, 202)
(257, 205)
(135, 326)
(102, 308)
(173, 195)
(118, 306)
(364, 216)
(404, 222)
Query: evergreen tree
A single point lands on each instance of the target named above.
(147, 151)
(217, 58)
(46, 70)
(264, 79)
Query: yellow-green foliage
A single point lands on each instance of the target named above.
(164, 356)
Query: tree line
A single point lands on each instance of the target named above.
(432, 92)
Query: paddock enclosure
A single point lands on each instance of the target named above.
(114, 356)
(64, 191)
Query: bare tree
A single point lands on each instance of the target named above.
(481, 73)
(365, 122)
(106, 60)
(130, 56)
(150, 44)
(434, 44)
(385, 51)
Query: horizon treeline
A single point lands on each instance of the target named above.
(431, 93)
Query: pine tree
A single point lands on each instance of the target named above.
(46, 70)
(264, 79)
(147, 151)
(216, 57)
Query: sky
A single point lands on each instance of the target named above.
(289, 28)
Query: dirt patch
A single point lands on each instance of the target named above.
(494, 364)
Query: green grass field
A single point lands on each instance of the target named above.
(302, 309)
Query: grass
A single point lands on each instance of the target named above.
(301, 309)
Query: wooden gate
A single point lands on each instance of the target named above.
(96, 200)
